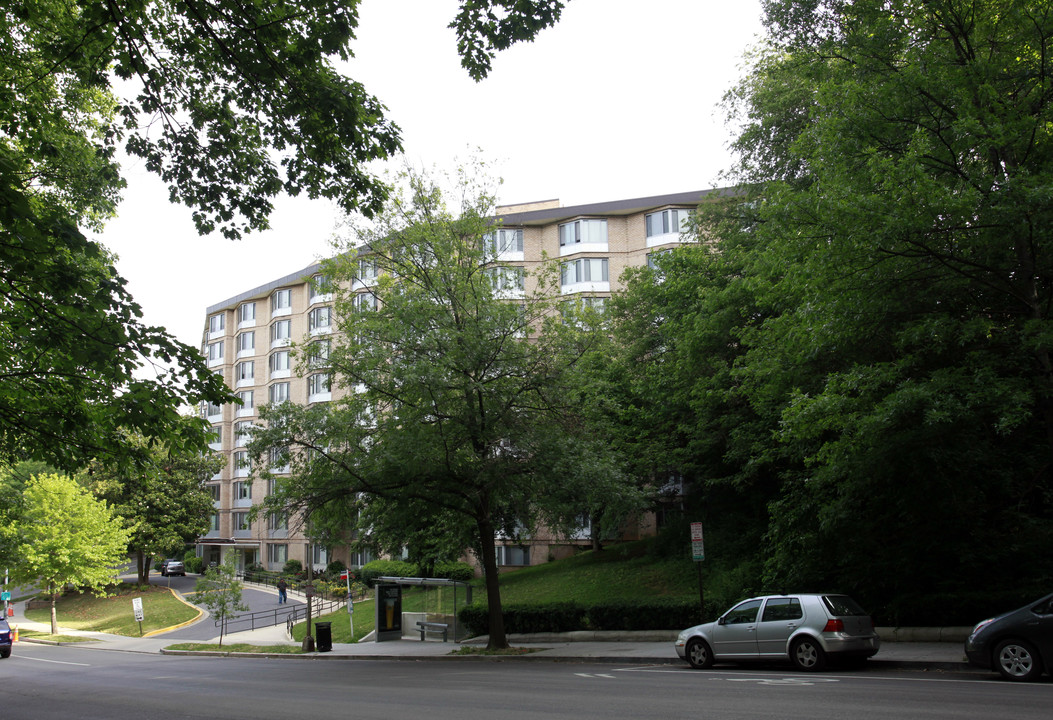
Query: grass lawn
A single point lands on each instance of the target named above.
(621, 572)
(239, 648)
(114, 614)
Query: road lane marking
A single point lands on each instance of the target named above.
(56, 662)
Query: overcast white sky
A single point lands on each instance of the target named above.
(619, 100)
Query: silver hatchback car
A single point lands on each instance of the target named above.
(805, 629)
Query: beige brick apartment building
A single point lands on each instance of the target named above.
(247, 339)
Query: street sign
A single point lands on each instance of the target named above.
(5, 596)
(698, 549)
(137, 606)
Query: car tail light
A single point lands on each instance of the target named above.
(834, 626)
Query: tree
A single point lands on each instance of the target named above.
(66, 537)
(231, 103)
(219, 590)
(893, 226)
(165, 503)
(456, 397)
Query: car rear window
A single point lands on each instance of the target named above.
(842, 606)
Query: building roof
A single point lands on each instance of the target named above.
(544, 216)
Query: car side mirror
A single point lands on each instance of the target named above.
(720, 621)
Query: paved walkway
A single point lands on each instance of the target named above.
(620, 648)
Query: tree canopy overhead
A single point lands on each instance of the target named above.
(231, 103)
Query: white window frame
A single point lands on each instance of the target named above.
(247, 344)
(279, 365)
(281, 333)
(585, 275)
(248, 406)
(245, 373)
(283, 393)
(319, 387)
(281, 302)
(665, 226)
(247, 315)
(216, 325)
(320, 320)
(214, 352)
(583, 235)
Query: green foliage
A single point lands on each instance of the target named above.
(164, 501)
(386, 568)
(853, 365)
(220, 591)
(459, 422)
(292, 567)
(65, 537)
(459, 571)
(231, 104)
(561, 617)
(192, 563)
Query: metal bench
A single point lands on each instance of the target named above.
(433, 627)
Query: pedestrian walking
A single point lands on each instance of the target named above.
(282, 587)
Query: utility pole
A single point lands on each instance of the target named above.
(308, 639)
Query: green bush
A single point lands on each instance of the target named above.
(334, 568)
(459, 571)
(292, 567)
(569, 617)
(391, 568)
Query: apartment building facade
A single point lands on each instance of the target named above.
(247, 340)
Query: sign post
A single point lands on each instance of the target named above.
(698, 554)
(137, 607)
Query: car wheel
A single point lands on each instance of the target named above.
(5, 653)
(1017, 660)
(699, 654)
(808, 655)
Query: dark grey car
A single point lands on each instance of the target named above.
(1018, 644)
(803, 628)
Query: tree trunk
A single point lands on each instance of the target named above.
(142, 566)
(54, 614)
(496, 619)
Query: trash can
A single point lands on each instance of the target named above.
(323, 636)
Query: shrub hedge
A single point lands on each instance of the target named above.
(569, 617)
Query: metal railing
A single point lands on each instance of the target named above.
(289, 614)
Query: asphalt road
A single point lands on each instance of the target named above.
(42, 682)
(258, 601)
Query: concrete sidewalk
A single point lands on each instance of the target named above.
(619, 648)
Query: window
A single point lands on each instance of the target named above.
(213, 491)
(213, 523)
(583, 270)
(243, 490)
(281, 302)
(321, 288)
(247, 343)
(277, 553)
(242, 464)
(320, 319)
(216, 437)
(279, 393)
(742, 613)
(503, 241)
(277, 521)
(247, 313)
(278, 363)
(281, 332)
(242, 432)
(318, 354)
(367, 270)
(592, 232)
(278, 459)
(215, 324)
(213, 410)
(365, 301)
(319, 555)
(240, 520)
(507, 278)
(513, 555)
(667, 222)
(777, 609)
(246, 397)
(245, 372)
(318, 387)
(215, 353)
